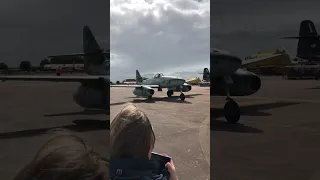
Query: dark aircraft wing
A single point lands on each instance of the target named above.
(63, 55)
(292, 37)
(54, 78)
(77, 54)
(122, 85)
(301, 37)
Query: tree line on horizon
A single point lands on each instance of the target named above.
(27, 66)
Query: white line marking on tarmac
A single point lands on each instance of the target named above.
(204, 138)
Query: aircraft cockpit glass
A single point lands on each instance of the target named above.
(158, 75)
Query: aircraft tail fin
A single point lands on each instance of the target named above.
(138, 77)
(308, 44)
(206, 74)
(307, 28)
(94, 55)
(307, 31)
(90, 44)
(96, 60)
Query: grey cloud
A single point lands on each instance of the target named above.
(166, 43)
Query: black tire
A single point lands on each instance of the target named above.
(169, 93)
(232, 112)
(182, 97)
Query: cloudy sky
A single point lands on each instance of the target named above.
(245, 27)
(32, 30)
(168, 36)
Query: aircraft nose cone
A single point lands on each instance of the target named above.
(151, 91)
(255, 83)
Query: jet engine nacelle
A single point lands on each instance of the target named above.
(185, 88)
(143, 91)
(88, 97)
(244, 83)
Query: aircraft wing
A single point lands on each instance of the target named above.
(301, 37)
(76, 54)
(53, 78)
(63, 55)
(249, 61)
(122, 85)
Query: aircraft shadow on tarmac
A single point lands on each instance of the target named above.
(251, 110)
(174, 99)
(80, 125)
(85, 112)
(154, 99)
(312, 88)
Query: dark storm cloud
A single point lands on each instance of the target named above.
(32, 30)
(246, 27)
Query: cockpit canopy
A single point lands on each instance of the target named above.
(158, 75)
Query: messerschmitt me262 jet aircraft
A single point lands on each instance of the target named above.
(227, 78)
(94, 91)
(144, 88)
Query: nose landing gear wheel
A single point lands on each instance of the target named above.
(182, 96)
(232, 112)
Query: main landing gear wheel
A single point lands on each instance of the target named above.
(169, 93)
(232, 112)
(149, 97)
(182, 96)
